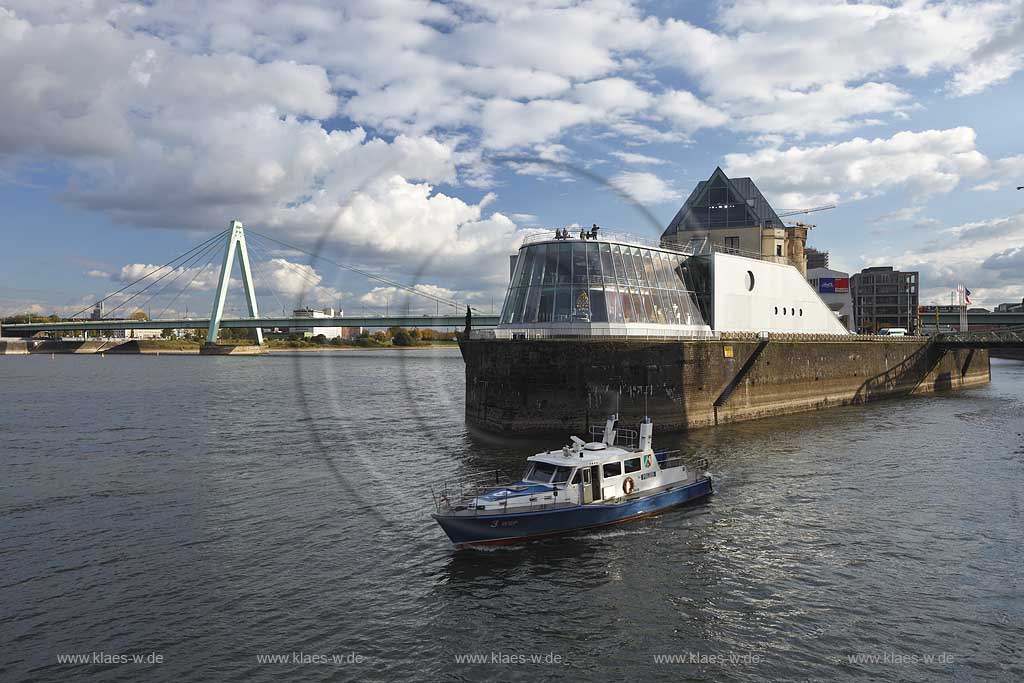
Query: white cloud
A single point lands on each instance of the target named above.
(985, 255)
(927, 162)
(185, 114)
(400, 299)
(507, 123)
(905, 214)
(688, 113)
(638, 159)
(102, 274)
(833, 108)
(616, 95)
(646, 188)
(805, 44)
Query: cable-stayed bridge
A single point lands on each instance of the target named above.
(235, 245)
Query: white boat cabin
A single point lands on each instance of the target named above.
(581, 473)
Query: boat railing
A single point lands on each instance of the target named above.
(625, 438)
(670, 459)
(448, 493)
(460, 495)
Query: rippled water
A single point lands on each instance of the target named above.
(217, 510)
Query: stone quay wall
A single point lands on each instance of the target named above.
(558, 385)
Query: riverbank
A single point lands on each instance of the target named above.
(179, 347)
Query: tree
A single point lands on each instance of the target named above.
(139, 315)
(402, 338)
(319, 339)
(167, 333)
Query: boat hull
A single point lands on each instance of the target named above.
(516, 527)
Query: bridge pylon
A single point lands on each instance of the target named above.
(235, 245)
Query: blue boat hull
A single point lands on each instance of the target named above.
(515, 527)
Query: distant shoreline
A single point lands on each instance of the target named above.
(171, 348)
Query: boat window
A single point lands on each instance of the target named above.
(612, 469)
(561, 475)
(546, 473)
(632, 465)
(576, 477)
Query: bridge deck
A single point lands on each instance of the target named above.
(264, 322)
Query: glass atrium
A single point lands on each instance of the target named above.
(586, 282)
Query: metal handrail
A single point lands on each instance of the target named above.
(455, 496)
(644, 333)
(769, 258)
(629, 239)
(626, 438)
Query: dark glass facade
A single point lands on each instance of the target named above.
(598, 282)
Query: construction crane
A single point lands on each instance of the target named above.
(794, 212)
(798, 224)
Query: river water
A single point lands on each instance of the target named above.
(219, 512)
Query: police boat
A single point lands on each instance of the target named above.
(583, 485)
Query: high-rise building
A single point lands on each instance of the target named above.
(815, 258)
(885, 298)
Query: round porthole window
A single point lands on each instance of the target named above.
(783, 310)
(776, 310)
(750, 281)
(801, 312)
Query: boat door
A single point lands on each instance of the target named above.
(588, 491)
(596, 492)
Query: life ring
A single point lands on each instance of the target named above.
(628, 485)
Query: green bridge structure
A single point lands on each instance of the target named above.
(236, 248)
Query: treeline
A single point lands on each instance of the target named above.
(30, 318)
(393, 336)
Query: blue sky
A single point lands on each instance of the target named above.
(421, 139)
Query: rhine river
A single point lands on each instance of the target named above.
(224, 514)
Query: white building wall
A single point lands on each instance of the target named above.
(781, 300)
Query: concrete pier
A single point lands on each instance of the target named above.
(13, 347)
(539, 386)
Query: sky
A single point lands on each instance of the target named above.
(422, 140)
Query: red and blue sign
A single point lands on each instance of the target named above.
(833, 285)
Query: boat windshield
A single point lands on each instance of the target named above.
(546, 473)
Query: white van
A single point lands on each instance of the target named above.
(893, 332)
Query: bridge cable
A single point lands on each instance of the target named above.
(188, 284)
(412, 290)
(180, 270)
(297, 269)
(156, 270)
(144, 289)
(264, 271)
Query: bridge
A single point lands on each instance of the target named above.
(236, 247)
(1005, 338)
(975, 318)
(478, 320)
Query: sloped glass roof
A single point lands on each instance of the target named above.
(723, 202)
